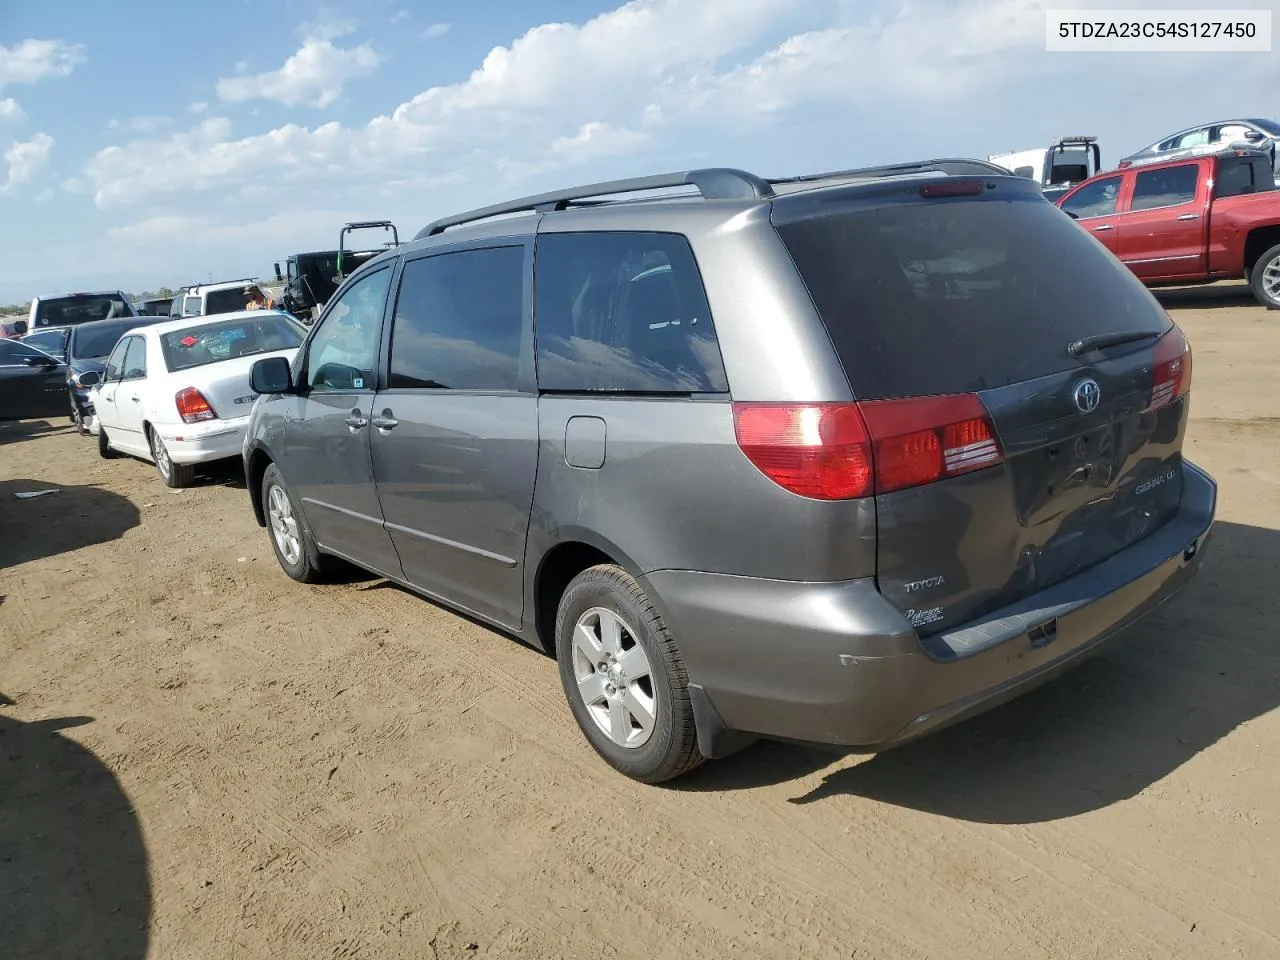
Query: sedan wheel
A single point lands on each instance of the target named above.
(173, 474)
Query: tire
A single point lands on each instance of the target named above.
(77, 417)
(669, 747)
(104, 448)
(306, 565)
(173, 474)
(1259, 281)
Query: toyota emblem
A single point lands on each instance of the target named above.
(1087, 395)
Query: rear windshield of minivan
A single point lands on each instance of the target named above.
(957, 296)
(68, 311)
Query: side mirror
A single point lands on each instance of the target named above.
(1254, 136)
(271, 375)
(90, 378)
(279, 275)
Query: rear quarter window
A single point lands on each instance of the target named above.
(623, 313)
(957, 296)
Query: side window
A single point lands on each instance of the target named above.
(1165, 188)
(12, 352)
(459, 321)
(341, 355)
(623, 312)
(1235, 177)
(1097, 199)
(115, 362)
(1195, 138)
(135, 359)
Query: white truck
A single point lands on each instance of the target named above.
(1057, 167)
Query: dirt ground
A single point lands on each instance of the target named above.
(200, 758)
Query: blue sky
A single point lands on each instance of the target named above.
(147, 143)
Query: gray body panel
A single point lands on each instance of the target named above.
(788, 611)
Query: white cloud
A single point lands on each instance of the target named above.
(436, 30)
(326, 29)
(149, 125)
(73, 185)
(314, 75)
(400, 16)
(24, 160)
(197, 107)
(10, 109)
(598, 139)
(34, 60)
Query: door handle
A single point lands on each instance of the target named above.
(1190, 216)
(385, 422)
(1105, 226)
(355, 420)
(135, 398)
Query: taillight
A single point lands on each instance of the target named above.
(842, 451)
(815, 450)
(192, 406)
(1172, 376)
(923, 439)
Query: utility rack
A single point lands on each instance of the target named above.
(713, 183)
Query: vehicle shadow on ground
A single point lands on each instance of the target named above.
(1209, 297)
(1175, 684)
(72, 518)
(12, 431)
(73, 875)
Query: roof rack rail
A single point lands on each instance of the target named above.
(952, 166)
(716, 183)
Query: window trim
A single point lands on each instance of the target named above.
(106, 367)
(145, 359)
(301, 374)
(526, 384)
(718, 395)
(1133, 192)
(1098, 216)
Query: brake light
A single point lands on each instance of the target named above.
(842, 451)
(817, 450)
(923, 439)
(193, 407)
(951, 188)
(1171, 378)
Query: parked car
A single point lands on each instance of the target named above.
(228, 296)
(155, 306)
(1192, 221)
(1057, 167)
(830, 460)
(1260, 134)
(177, 392)
(52, 340)
(13, 328)
(85, 352)
(31, 382)
(68, 310)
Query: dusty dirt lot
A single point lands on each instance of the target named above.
(200, 758)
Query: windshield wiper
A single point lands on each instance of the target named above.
(1100, 341)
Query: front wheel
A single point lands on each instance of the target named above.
(290, 539)
(173, 474)
(104, 445)
(624, 678)
(1264, 279)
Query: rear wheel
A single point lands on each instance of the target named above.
(623, 677)
(173, 474)
(290, 539)
(1264, 279)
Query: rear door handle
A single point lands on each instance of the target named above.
(355, 420)
(385, 422)
(135, 398)
(1105, 226)
(1190, 216)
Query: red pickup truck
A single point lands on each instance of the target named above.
(1190, 221)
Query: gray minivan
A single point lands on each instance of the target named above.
(839, 459)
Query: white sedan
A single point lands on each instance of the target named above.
(177, 393)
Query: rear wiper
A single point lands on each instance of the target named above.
(1100, 341)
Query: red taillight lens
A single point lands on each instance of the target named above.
(923, 439)
(841, 451)
(1172, 376)
(192, 406)
(815, 450)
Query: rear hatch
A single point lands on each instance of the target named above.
(1024, 395)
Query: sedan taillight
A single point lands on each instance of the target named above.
(193, 407)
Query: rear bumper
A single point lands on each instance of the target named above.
(203, 442)
(834, 663)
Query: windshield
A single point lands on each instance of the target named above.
(960, 296)
(67, 311)
(1269, 127)
(97, 341)
(212, 342)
